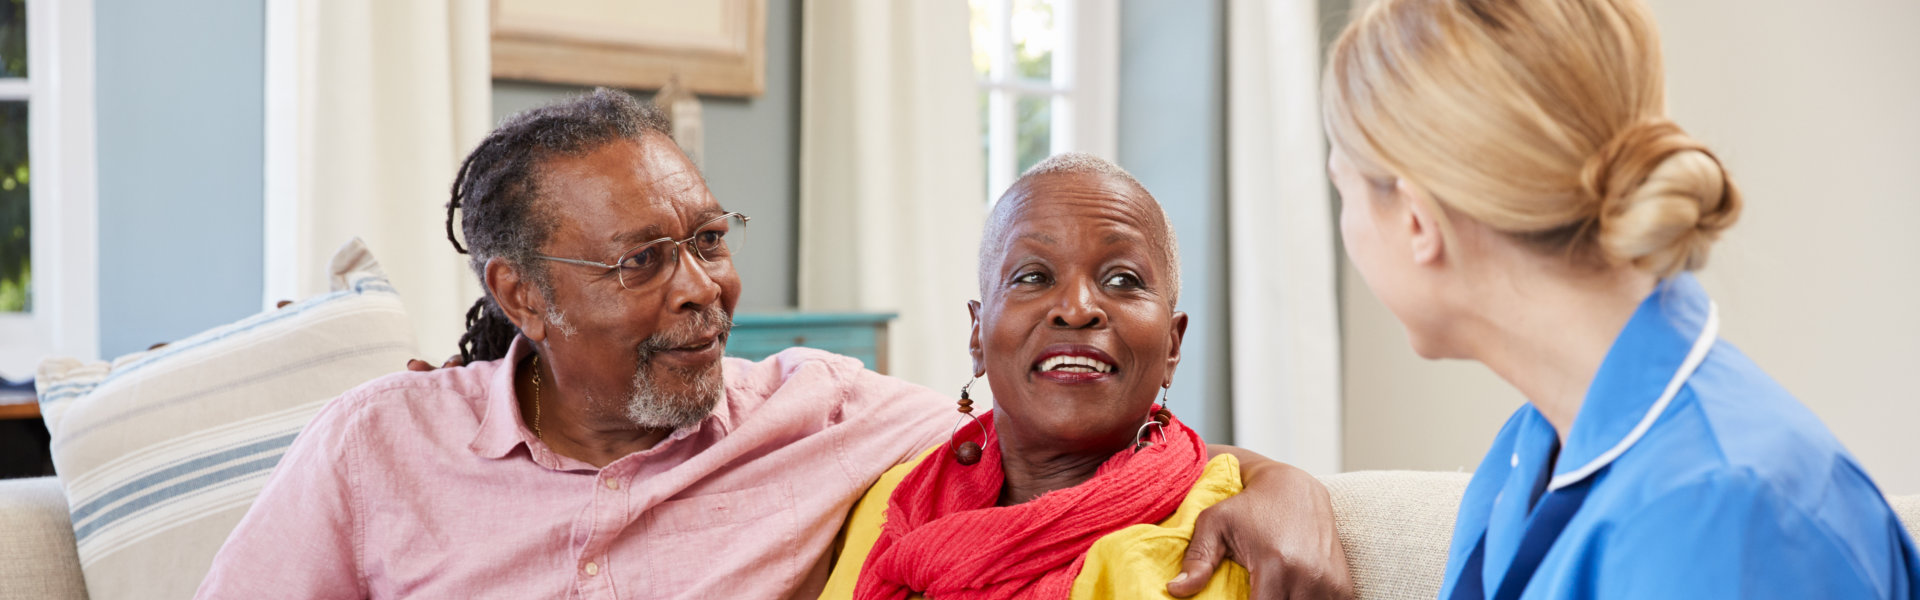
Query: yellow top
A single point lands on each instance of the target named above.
(1135, 562)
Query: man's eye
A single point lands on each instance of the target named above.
(1030, 277)
(642, 259)
(1127, 280)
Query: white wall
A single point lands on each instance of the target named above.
(1815, 109)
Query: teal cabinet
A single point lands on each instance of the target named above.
(859, 335)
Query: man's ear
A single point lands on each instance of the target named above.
(1179, 333)
(1425, 233)
(520, 299)
(973, 340)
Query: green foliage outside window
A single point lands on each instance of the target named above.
(16, 224)
(16, 265)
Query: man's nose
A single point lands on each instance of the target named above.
(690, 285)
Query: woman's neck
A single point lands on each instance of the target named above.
(1033, 469)
(1547, 332)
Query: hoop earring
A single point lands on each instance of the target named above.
(967, 452)
(1158, 422)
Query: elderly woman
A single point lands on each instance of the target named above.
(1076, 485)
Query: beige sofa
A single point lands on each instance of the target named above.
(1395, 526)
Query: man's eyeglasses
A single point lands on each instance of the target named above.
(713, 241)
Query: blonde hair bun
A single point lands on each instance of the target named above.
(1545, 121)
(1662, 198)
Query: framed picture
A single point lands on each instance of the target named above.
(716, 47)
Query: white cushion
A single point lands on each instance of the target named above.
(161, 452)
(37, 561)
(1395, 527)
(1908, 509)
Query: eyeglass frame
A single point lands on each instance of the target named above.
(677, 245)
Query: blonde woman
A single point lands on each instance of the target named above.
(1516, 195)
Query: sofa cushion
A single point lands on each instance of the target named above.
(1395, 527)
(162, 452)
(1908, 509)
(37, 560)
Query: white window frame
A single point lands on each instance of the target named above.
(1085, 86)
(60, 139)
(281, 154)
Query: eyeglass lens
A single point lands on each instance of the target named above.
(716, 241)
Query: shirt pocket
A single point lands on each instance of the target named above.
(740, 543)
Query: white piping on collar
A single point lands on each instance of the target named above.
(1701, 345)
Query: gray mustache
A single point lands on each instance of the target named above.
(705, 323)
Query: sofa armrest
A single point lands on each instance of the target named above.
(37, 556)
(1396, 527)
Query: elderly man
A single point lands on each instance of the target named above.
(598, 445)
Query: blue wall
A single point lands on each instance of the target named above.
(180, 141)
(1172, 137)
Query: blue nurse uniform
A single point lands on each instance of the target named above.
(1688, 473)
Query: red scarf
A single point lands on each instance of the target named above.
(945, 538)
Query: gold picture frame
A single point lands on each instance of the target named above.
(716, 47)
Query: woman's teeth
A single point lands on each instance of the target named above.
(1075, 364)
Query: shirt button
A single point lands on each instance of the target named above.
(1515, 463)
(593, 569)
(613, 484)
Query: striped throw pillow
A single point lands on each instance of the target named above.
(162, 452)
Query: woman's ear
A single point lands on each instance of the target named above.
(519, 298)
(973, 340)
(1178, 333)
(1425, 233)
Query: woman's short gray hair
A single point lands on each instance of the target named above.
(993, 240)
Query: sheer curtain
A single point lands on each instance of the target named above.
(1283, 281)
(891, 180)
(371, 104)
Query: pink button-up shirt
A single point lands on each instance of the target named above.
(429, 485)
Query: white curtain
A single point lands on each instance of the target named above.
(1283, 274)
(891, 184)
(371, 106)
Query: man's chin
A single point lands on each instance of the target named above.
(669, 398)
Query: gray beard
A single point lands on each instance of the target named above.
(651, 406)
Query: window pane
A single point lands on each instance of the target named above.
(13, 38)
(1034, 37)
(16, 270)
(1034, 116)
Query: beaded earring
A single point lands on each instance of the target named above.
(1159, 421)
(967, 452)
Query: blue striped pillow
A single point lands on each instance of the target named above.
(162, 452)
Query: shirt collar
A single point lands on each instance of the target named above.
(1630, 390)
(501, 429)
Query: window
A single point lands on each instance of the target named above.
(1048, 79)
(16, 208)
(47, 270)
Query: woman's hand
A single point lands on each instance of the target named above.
(1280, 528)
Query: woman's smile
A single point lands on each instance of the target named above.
(1075, 364)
